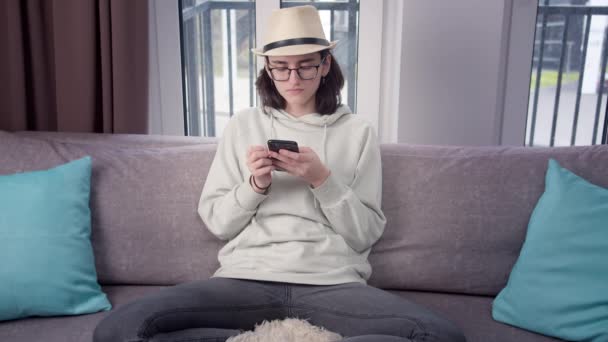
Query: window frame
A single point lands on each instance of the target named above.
(167, 113)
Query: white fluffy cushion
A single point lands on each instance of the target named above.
(287, 330)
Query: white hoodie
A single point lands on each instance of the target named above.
(295, 233)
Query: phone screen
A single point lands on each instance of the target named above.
(276, 145)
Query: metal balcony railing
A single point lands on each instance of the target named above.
(570, 27)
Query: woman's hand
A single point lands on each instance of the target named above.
(305, 165)
(260, 166)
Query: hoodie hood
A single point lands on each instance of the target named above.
(314, 119)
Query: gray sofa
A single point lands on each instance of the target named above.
(457, 217)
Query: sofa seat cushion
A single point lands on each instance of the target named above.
(69, 328)
(473, 315)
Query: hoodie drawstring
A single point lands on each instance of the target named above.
(271, 126)
(324, 154)
(270, 134)
(323, 146)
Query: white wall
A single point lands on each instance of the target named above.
(453, 71)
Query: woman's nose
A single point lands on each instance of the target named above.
(294, 77)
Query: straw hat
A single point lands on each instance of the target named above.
(294, 31)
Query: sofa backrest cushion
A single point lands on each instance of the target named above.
(145, 226)
(457, 216)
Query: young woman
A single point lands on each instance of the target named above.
(299, 225)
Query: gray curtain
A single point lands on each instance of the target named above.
(74, 65)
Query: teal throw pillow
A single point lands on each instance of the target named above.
(559, 284)
(47, 259)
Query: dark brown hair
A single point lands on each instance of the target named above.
(328, 96)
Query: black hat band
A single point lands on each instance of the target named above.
(295, 41)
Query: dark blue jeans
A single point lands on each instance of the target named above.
(215, 309)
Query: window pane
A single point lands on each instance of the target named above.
(219, 70)
(340, 19)
(568, 105)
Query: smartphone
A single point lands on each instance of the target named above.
(276, 145)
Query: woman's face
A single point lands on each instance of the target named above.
(299, 94)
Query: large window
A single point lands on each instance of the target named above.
(218, 67)
(567, 104)
(219, 71)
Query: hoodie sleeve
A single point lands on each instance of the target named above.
(228, 202)
(353, 210)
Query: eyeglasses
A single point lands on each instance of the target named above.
(306, 73)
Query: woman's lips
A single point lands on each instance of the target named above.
(294, 91)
